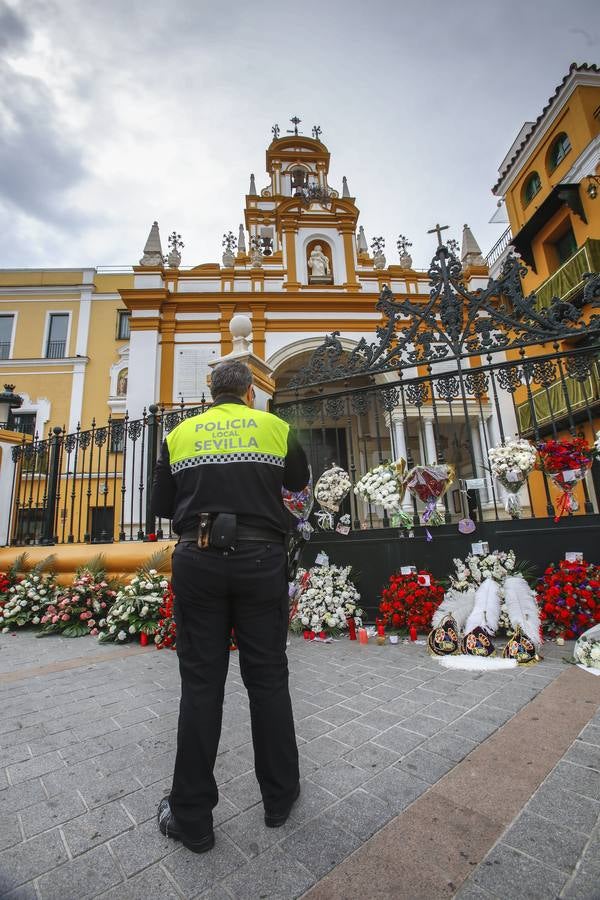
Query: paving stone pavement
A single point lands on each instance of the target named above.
(87, 753)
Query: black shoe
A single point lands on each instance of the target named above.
(276, 820)
(169, 827)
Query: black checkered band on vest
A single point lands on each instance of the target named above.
(209, 459)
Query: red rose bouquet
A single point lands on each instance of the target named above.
(429, 484)
(569, 598)
(410, 601)
(566, 462)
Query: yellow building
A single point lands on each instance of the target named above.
(549, 183)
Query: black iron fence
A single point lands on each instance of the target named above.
(92, 485)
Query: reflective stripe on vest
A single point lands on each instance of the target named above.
(228, 433)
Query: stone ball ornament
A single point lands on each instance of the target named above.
(240, 326)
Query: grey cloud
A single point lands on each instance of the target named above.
(13, 30)
(38, 163)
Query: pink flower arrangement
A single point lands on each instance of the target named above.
(82, 608)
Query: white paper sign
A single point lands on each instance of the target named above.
(424, 580)
(342, 529)
(407, 570)
(575, 557)
(513, 476)
(474, 484)
(322, 559)
(482, 548)
(570, 475)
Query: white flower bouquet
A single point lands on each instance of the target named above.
(332, 487)
(136, 609)
(511, 464)
(587, 648)
(27, 600)
(384, 486)
(597, 443)
(472, 571)
(327, 599)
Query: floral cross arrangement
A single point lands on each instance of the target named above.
(510, 464)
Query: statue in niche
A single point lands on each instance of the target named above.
(122, 383)
(318, 264)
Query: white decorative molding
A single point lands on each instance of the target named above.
(332, 314)
(585, 164)
(197, 316)
(145, 313)
(41, 362)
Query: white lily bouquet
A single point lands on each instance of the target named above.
(511, 464)
(587, 648)
(330, 490)
(384, 486)
(328, 598)
(136, 609)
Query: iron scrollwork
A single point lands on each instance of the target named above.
(454, 323)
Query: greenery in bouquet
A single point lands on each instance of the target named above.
(410, 600)
(80, 609)
(510, 464)
(326, 600)
(569, 598)
(28, 596)
(587, 649)
(136, 609)
(166, 632)
(384, 486)
(11, 577)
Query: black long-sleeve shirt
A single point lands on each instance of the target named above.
(248, 488)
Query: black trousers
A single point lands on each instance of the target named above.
(245, 589)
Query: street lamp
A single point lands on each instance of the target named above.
(8, 400)
(592, 188)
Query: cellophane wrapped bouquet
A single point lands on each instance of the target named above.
(569, 598)
(410, 600)
(511, 464)
(327, 599)
(330, 490)
(300, 504)
(28, 597)
(587, 649)
(566, 463)
(429, 484)
(384, 486)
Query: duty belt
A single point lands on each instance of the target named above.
(244, 533)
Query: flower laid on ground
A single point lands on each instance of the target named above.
(327, 600)
(166, 631)
(566, 463)
(410, 600)
(587, 649)
(569, 598)
(79, 609)
(27, 599)
(136, 609)
(429, 484)
(13, 575)
(511, 464)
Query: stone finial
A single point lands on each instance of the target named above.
(241, 240)
(240, 328)
(361, 241)
(153, 255)
(345, 189)
(252, 192)
(471, 252)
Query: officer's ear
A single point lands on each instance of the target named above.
(250, 397)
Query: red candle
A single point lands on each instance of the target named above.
(143, 639)
(412, 632)
(352, 629)
(381, 629)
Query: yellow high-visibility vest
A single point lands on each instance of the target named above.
(230, 432)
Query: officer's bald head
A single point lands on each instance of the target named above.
(230, 377)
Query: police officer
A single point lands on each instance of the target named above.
(219, 477)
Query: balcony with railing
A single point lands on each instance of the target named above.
(496, 256)
(567, 281)
(4, 349)
(55, 349)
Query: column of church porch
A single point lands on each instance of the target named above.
(258, 329)
(401, 452)
(347, 232)
(167, 354)
(290, 230)
(226, 310)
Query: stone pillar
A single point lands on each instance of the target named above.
(400, 445)
(430, 449)
(240, 328)
(484, 441)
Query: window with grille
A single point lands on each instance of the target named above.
(56, 345)
(6, 330)
(533, 186)
(559, 149)
(123, 317)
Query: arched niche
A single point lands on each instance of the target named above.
(321, 272)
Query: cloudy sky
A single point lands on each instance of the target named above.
(116, 113)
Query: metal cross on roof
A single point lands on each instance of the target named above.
(317, 132)
(275, 129)
(295, 122)
(438, 230)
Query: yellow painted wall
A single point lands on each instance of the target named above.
(31, 322)
(39, 277)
